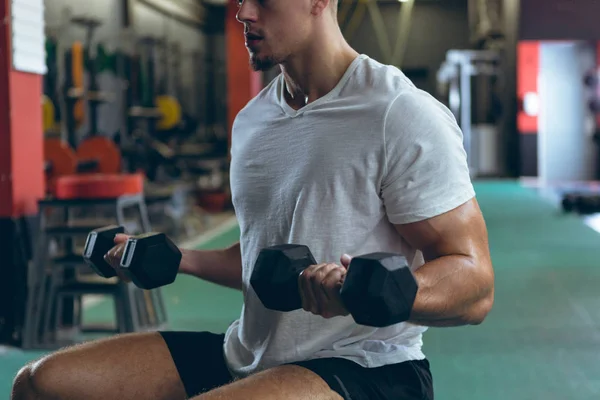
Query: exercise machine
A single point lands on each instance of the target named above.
(467, 83)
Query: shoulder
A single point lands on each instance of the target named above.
(401, 96)
(407, 107)
(392, 92)
(418, 111)
(406, 110)
(383, 82)
(414, 121)
(262, 102)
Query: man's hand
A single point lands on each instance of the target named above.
(113, 257)
(319, 287)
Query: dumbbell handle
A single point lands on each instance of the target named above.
(150, 260)
(98, 243)
(391, 291)
(286, 278)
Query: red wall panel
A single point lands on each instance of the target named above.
(21, 131)
(242, 83)
(528, 67)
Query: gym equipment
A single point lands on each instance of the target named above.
(103, 151)
(379, 288)
(97, 244)
(96, 154)
(76, 91)
(468, 81)
(106, 61)
(150, 260)
(59, 160)
(153, 114)
(590, 79)
(98, 186)
(569, 202)
(48, 114)
(54, 297)
(82, 95)
(72, 107)
(167, 91)
(50, 98)
(584, 204)
(169, 110)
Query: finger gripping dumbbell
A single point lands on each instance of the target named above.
(379, 289)
(150, 260)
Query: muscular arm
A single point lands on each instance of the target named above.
(222, 267)
(456, 283)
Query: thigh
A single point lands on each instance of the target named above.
(409, 380)
(199, 360)
(130, 366)
(289, 382)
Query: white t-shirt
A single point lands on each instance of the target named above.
(335, 176)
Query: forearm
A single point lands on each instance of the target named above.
(453, 291)
(222, 267)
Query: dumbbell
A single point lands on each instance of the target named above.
(379, 289)
(150, 260)
(588, 204)
(569, 202)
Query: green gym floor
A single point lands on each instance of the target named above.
(541, 341)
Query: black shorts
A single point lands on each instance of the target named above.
(200, 361)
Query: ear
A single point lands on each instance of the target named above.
(319, 6)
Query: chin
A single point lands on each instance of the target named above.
(262, 63)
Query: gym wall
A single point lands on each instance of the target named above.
(436, 27)
(559, 20)
(149, 22)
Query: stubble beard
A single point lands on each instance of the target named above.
(262, 64)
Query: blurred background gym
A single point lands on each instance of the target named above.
(119, 111)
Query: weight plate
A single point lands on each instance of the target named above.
(170, 109)
(60, 160)
(48, 113)
(102, 149)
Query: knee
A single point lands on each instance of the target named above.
(21, 389)
(39, 380)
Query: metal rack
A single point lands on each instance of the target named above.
(455, 81)
(56, 286)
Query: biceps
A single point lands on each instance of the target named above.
(460, 231)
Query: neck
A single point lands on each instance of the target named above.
(315, 71)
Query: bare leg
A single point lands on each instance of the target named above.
(289, 382)
(131, 366)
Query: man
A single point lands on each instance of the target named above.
(342, 154)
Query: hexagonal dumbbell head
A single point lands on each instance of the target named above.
(379, 289)
(98, 243)
(150, 260)
(275, 275)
